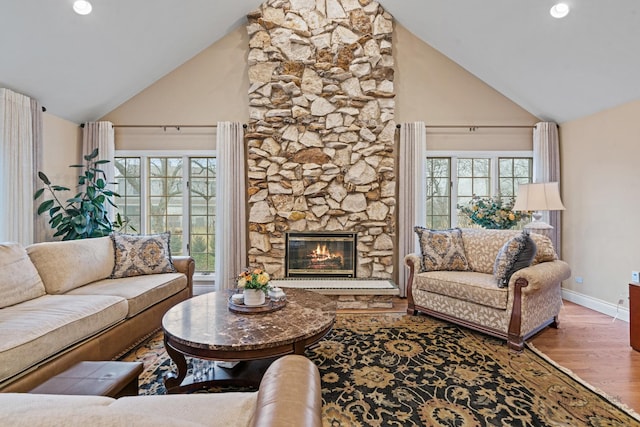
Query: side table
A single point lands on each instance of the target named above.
(634, 315)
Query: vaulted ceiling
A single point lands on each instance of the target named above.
(82, 67)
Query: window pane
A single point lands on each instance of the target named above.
(127, 178)
(202, 204)
(465, 187)
(165, 199)
(481, 167)
(521, 173)
(506, 187)
(438, 192)
(506, 167)
(481, 187)
(465, 168)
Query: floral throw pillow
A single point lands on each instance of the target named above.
(514, 255)
(140, 255)
(442, 249)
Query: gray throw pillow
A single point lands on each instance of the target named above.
(514, 255)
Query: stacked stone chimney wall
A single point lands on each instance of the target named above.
(321, 133)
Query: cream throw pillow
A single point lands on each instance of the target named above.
(19, 279)
(140, 255)
(442, 250)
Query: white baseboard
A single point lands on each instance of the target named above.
(604, 307)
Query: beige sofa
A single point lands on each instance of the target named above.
(289, 395)
(59, 307)
(530, 302)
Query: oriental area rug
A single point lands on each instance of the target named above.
(399, 370)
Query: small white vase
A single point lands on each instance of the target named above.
(253, 297)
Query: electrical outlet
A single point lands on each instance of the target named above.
(579, 279)
(635, 277)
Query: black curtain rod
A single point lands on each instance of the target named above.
(177, 127)
(474, 127)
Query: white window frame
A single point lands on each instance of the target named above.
(493, 171)
(144, 189)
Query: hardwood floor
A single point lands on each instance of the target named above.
(588, 343)
(595, 348)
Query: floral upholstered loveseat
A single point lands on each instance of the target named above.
(463, 288)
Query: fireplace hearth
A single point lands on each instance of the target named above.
(320, 254)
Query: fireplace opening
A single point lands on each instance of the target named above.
(328, 254)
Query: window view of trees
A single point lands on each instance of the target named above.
(473, 176)
(202, 196)
(438, 193)
(175, 194)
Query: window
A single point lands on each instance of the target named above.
(175, 193)
(454, 178)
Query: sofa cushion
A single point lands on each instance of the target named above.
(215, 409)
(139, 255)
(69, 264)
(514, 255)
(479, 288)
(19, 279)
(442, 249)
(36, 329)
(44, 410)
(141, 292)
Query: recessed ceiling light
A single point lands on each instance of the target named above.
(559, 10)
(82, 7)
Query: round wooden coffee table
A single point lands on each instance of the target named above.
(205, 328)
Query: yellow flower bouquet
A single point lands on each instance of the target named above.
(255, 278)
(493, 213)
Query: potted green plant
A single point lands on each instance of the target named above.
(85, 215)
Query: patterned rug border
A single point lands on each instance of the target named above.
(603, 394)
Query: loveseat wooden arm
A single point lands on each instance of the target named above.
(186, 265)
(414, 262)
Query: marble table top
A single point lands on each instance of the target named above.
(205, 322)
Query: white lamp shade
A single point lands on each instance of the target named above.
(544, 196)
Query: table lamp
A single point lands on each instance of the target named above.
(537, 198)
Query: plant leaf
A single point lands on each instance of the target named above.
(44, 178)
(101, 162)
(38, 193)
(92, 156)
(45, 206)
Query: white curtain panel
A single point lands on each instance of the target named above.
(16, 168)
(411, 197)
(101, 135)
(231, 224)
(546, 168)
(40, 222)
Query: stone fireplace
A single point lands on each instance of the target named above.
(321, 133)
(321, 254)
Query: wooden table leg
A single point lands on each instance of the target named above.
(172, 381)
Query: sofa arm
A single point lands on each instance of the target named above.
(187, 265)
(542, 275)
(289, 394)
(414, 262)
